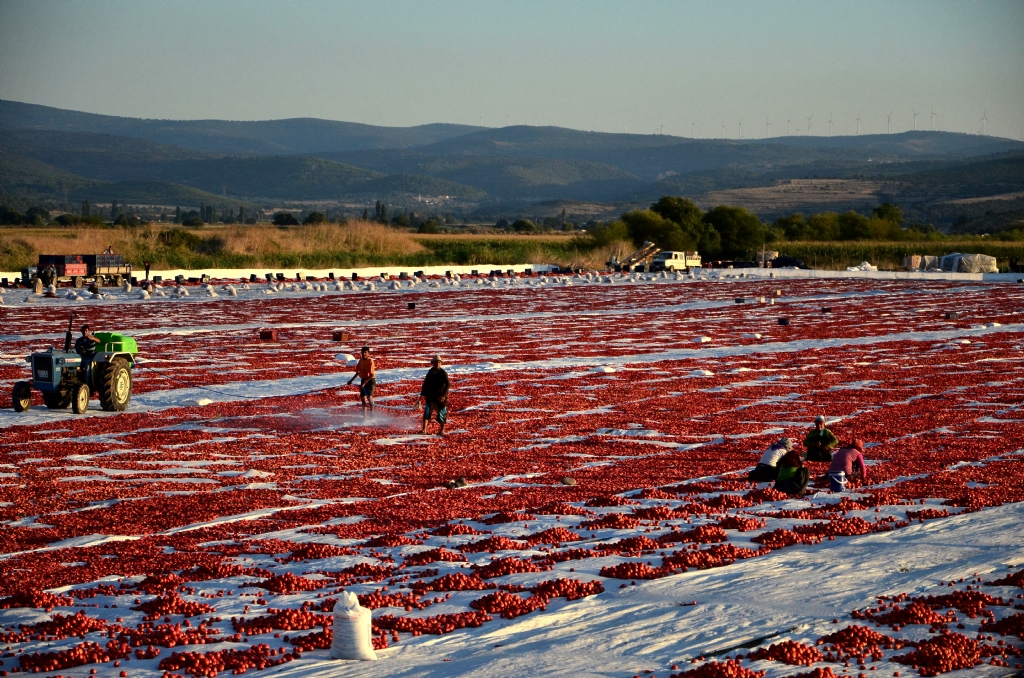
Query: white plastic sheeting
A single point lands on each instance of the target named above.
(968, 263)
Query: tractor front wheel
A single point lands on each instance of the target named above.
(22, 396)
(80, 399)
(115, 385)
(57, 400)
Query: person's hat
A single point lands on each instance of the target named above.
(859, 444)
(436, 360)
(820, 419)
(365, 349)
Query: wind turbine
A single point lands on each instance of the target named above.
(740, 136)
(858, 124)
(888, 122)
(767, 128)
(983, 121)
(662, 129)
(915, 114)
(723, 131)
(693, 130)
(789, 128)
(808, 124)
(933, 118)
(830, 124)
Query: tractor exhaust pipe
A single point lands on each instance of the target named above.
(67, 336)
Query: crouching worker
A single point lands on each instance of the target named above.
(793, 475)
(847, 463)
(767, 469)
(434, 395)
(820, 441)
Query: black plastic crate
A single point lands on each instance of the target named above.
(58, 259)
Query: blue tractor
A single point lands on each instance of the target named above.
(64, 381)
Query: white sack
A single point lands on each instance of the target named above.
(353, 635)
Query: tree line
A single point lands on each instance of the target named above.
(727, 232)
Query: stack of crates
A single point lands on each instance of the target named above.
(67, 265)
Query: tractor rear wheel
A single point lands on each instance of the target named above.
(57, 400)
(115, 385)
(22, 396)
(76, 282)
(80, 399)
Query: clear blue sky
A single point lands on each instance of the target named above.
(595, 65)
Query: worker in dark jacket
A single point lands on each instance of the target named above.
(434, 395)
(85, 346)
(820, 441)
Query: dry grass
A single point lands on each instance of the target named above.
(357, 243)
(355, 236)
(539, 237)
(596, 259)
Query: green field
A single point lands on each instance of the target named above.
(889, 255)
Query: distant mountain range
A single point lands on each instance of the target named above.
(49, 153)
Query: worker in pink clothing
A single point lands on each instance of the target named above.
(847, 462)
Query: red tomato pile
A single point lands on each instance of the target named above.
(438, 625)
(209, 664)
(1008, 626)
(788, 652)
(942, 654)
(172, 603)
(437, 555)
(502, 567)
(726, 669)
(280, 620)
(509, 606)
(83, 653)
(454, 582)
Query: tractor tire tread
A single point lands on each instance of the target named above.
(107, 386)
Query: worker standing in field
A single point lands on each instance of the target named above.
(366, 370)
(434, 395)
(820, 441)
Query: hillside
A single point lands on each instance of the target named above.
(273, 137)
(82, 159)
(29, 178)
(490, 170)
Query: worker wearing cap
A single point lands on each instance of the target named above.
(366, 370)
(820, 441)
(434, 394)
